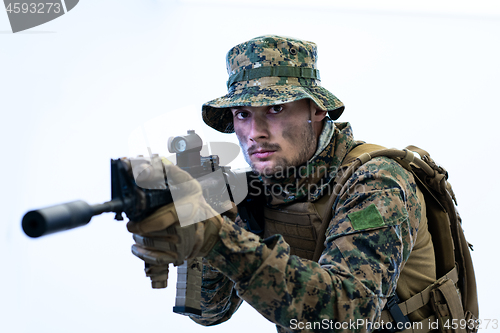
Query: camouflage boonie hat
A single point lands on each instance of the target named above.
(270, 70)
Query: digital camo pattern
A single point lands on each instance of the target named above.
(356, 273)
(259, 54)
(219, 298)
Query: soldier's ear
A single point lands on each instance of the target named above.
(317, 114)
(320, 113)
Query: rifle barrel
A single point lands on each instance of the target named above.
(65, 216)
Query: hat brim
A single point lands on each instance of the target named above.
(217, 115)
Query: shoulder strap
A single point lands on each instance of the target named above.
(358, 151)
(326, 210)
(434, 179)
(358, 156)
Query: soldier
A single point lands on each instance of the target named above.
(376, 246)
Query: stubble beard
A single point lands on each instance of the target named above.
(287, 166)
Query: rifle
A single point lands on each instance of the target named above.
(139, 187)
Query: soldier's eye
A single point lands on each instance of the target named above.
(241, 114)
(276, 108)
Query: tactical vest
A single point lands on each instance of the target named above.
(453, 295)
(299, 224)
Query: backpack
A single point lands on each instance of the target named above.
(453, 296)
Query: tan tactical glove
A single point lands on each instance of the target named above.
(161, 240)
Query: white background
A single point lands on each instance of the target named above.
(73, 91)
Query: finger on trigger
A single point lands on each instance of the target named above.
(164, 244)
(159, 220)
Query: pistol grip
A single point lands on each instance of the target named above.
(158, 275)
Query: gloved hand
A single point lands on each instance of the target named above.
(161, 240)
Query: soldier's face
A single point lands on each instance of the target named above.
(275, 138)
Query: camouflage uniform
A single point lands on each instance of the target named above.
(370, 237)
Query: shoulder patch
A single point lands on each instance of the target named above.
(369, 217)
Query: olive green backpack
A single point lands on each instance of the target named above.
(453, 296)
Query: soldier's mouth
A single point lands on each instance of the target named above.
(262, 153)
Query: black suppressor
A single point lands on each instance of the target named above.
(65, 216)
